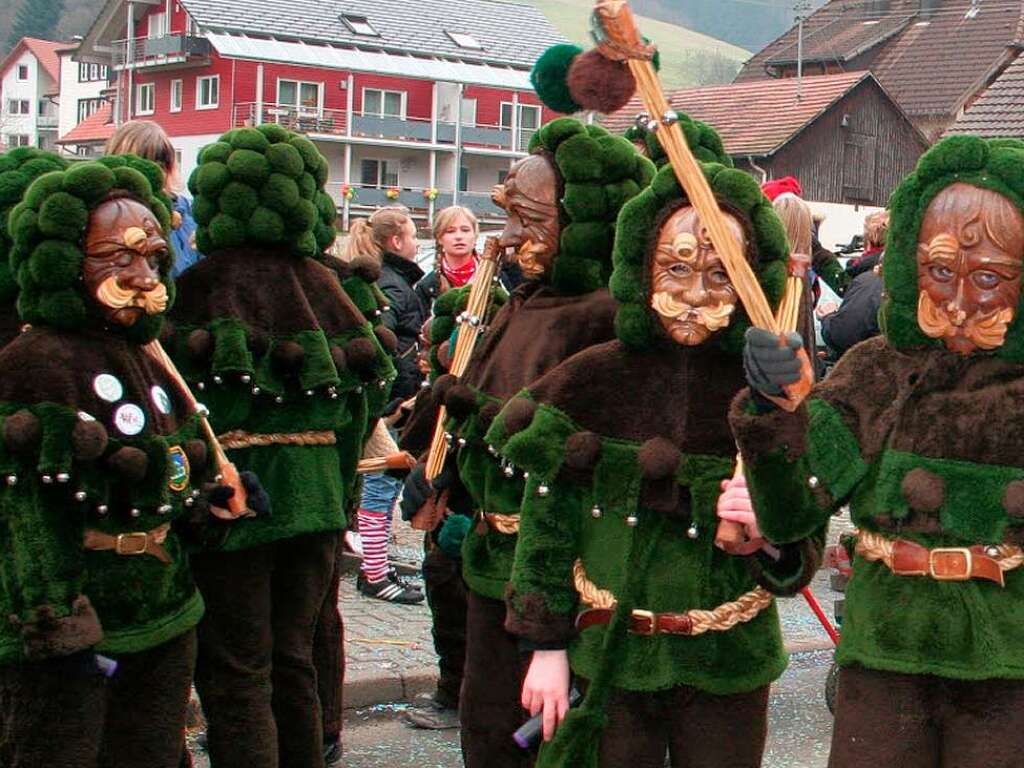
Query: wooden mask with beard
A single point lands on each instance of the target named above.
(530, 197)
(124, 246)
(969, 259)
(690, 289)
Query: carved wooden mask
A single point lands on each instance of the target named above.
(533, 229)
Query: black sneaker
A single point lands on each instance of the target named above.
(333, 753)
(430, 714)
(393, 591)
(402, 581)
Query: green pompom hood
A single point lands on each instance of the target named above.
(600, 173)
(993, 164)
(47, 228)
(636, 324)
(703, 140)
(260, 187)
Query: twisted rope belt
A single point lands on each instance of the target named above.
(506, 524)
(720, 619)
(240, 439)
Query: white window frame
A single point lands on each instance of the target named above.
(199, 92)
(301, 108)
(18, 107)
(89, 107)
(18, 140)
(139, 89)
(384, 92)
(382, 164)
(519, 122)
(20, 79)
(160, 17)
(177, 89)
(359, 25)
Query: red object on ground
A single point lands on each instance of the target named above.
(816, 608)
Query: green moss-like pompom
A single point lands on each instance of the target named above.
(227, 231)
(549, 78)
(64, 216)
(250, 138)
(325, 234)
(275, 133)
(305, 246)
(325, 207)
(634, 325)
(55, 263)
(284, 158)
(738, 188)
(249, 167)
(42, 188)
(89, 181)
(266, 225)
(310, 154)
(218, 152)
(585, 202)
(627, 284)
(665, 185)
(321, 172)
(769, 234)
(66, 304)
(576, 159)
(12, 187)
(302, 217)
(238, 200)
(204, 209)
(280, 192)
(952, 155)
(307, 186)
(133, 182)
(618, 156)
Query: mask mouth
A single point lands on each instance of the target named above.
(714, 318)
(985, 331)
(111, 294)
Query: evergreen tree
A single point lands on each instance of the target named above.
(36, 18)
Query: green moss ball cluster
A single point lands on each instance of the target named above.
(262, 187)
(47, 228)
(993, 164)
(636, 323)
(600, 172)
(18, 168)
(703, 140)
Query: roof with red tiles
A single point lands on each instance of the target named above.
(999, 111)
(95, 128)
(45, 52)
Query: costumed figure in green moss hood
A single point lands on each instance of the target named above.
(627, 447)
(562, 201)
(919, 432)
(105, 467)
(294, 376)
(18, 169)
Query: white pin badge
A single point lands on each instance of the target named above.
(160, 399)
(129, 419)
(83, 416)
(108, 387)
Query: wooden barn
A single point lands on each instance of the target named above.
(841, 135)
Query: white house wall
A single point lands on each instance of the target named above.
(31, 90)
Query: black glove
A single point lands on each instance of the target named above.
(415, 492)
(257, 498)
(769, 367)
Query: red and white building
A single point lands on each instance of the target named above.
(29, 86)
(423, 104)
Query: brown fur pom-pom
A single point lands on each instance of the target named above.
(196, 452)
(518, 414)
(658, 459)
(339, 359)
(598, 83)
(582, 450)
(130, 463)
(1013, 499)
(488, 412)
(439, 389)
(200, 344)
(258, 342)
(362, 357)
(88, 440)
(923, 491)
(166, 332)
(386, 337)
(366, 268)
(287, 357)
(460, 401)
(23, 433)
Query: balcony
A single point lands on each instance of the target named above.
(311, 120)
(416, 199)
(46, 122)
(155, 52)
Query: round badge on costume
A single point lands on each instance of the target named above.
(83, 416)
(160, 399)
(108, 387)
(178, 481)
(129, 419)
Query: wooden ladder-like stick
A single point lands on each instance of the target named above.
(471, 325)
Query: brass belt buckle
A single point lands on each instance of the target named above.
(123, 539)
(954, 556)
(650, 618)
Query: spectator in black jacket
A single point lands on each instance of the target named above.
(857, 317)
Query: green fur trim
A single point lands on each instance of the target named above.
(993, 164)
(47, 230)
(447, 308)
(267, 184)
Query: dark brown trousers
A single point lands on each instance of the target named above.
(695, 729)
(255, 673)
(63, 713)
(489, 709)
(923, 721)
(446, 595)
(329, 656)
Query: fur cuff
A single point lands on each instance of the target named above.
(529, 618)
(792, 572)
(767, 433)
(45, 635)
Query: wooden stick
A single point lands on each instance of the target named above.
(471, 325)
(400, 460)
(228, 474)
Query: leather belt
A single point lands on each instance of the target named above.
(129, 544)
(640, 622)
(507, 524)
(908, 558)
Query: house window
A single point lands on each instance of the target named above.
(145, 98)
(469, 112)
(207, 92)
(528, 122)
(17, 140)
(297, 94)
(90, 73)
(463, 179)
(17, 107)
(88, 107)
(359, 24)
(157, 24)
(176, 91)
(22, 77)
(378, 173)
(384, 103)
(463, 40)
